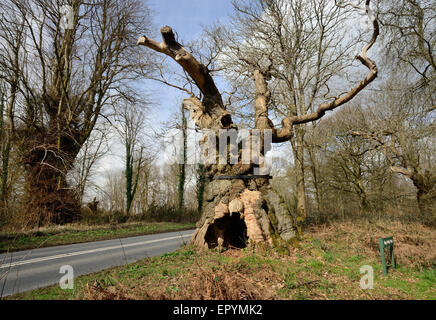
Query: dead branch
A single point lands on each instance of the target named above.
(198, 72)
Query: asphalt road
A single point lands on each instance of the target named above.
(31, 269)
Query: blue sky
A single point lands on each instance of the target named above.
(187, 18)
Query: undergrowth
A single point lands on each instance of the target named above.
(326, 265)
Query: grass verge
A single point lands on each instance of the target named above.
(70, 234)
(326, 265)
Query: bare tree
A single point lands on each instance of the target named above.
(407, 138)
(182, 166)
(265, 215)
(5, 143)
(130, 123)
(147, 173)
(113, 191)
(60, 74)
(93, 150)
(300, 45)
(409, 36)
(351, 164)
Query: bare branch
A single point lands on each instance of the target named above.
(286, 132)
(198, 72)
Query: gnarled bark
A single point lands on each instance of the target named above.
(425, 195)
(234, 210)
(245, 208)
(49, 199)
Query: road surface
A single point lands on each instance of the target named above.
(31, 269)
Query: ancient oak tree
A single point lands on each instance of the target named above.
(237, 209)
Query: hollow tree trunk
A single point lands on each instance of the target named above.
(237, 209)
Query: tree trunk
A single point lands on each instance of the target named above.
(129, 177)
(47, 159)
(145, 192)
(239, 211)
(201, 183)
(182, 167)
(314, 171)
(363, 199)
(427, 205)
(131, 181)
(5, 155)
(48, 196)
(425, 196)
(4, 175)
(298, 149)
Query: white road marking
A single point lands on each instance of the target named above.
(77, 253)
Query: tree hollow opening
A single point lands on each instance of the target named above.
(229, 231)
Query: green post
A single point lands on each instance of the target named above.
(389, 244)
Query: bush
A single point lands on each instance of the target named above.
(158, 213)
(155, 213)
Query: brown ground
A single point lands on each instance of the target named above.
(326, 266)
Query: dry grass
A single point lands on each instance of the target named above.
(415, 244)
(203, 280)
(325, 266)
